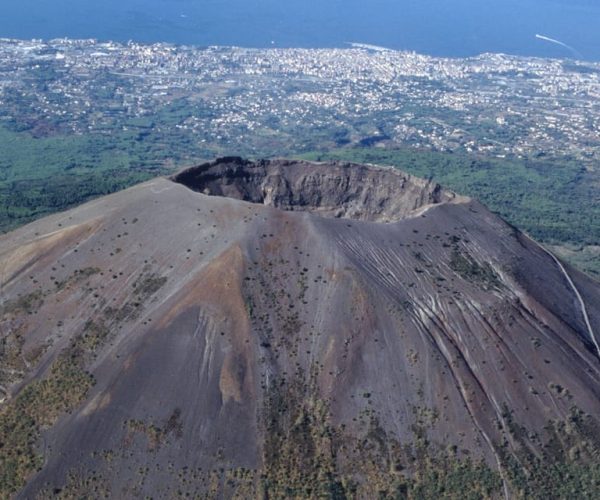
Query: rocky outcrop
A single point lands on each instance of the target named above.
(340, 190)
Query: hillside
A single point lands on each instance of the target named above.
(294, 329)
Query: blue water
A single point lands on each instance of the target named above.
(454, 28)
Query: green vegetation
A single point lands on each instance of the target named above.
(462, 263)
(585, 257)
(448, 477)
(144, 287)
(554, 200)
(147, 285)
(93, 337)
(77, 277)
(39, 176)
(36, 407)
(298, 454)
(155, 435)
(27, 304)
(13, 361)
(306, 456)
(569, 466)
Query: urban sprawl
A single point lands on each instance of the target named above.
(492, 104)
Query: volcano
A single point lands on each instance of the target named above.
(288, 329)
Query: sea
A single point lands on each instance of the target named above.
(449, 28)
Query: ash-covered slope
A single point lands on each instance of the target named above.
(291, 329)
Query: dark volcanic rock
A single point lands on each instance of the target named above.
(331, 190)
(256, 329)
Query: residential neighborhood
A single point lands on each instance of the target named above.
(492, 104)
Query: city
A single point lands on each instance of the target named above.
(265, 100)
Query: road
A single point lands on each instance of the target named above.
(577, 295)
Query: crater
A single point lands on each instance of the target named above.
(332, 189)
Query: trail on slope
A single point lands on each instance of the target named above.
(586, 318)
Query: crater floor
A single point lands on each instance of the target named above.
(340, 190)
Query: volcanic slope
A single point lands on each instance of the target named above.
(294, 329)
